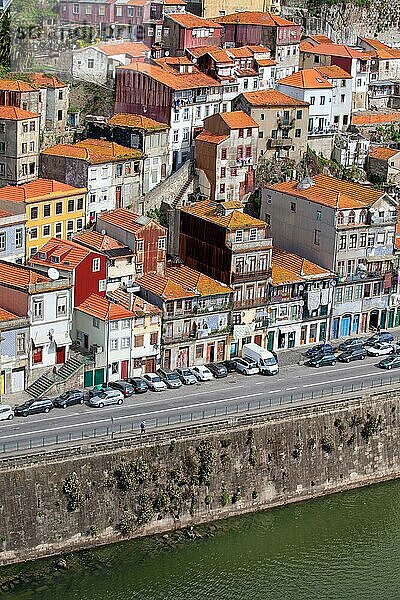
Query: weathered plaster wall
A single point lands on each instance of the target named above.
(84, 497)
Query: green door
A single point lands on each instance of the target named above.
(391, 318)
(322, 332)
(383, 319)
(88, 379)
(98, 376)
(397, 321)
(270, 343)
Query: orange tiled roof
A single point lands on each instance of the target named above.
(241, 52)
(175, 81)
(212, 138)
(291, 268)
(382, 152)
(13, 113)
(5, 315)
(238, 119)
(174, 2)
(128, 220)
(137, 121)
(16, 85)
(103, 309)
(306, 79)
(98, 241)
(334, 72)
(235, 220)
(4, 214)
(43, 80)
(375, 118)
(382, 50)
(254, 18)
(334, 50)
(196, 282)
(321, 39)
(332, 192)
(139, 307)
(19, 276)
(164, 287)
(220, 55)
(94, 151)
(134, 49)
(41, 188)
(272, 97)
(191, 21)
(201, 50)
(70, 254)
(266, 62)
(258, 48)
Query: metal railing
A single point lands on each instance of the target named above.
(256, 406)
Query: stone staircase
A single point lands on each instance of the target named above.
(48, 380)
(182, 191)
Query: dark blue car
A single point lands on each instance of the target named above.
(320, 350)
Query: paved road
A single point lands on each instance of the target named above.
(233, 394)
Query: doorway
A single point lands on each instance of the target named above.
(86, 341)
(210, 353)
(258, 339)
(345, 326)
(124, 369)
(374, 319)
(270, 342)
(60, 355)
(150, 365)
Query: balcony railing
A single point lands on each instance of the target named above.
(280, 142)
(250, 303)
(251, 275)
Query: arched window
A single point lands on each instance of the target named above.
(352, 217)
(363, 216)
(340, 218)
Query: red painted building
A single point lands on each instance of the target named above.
(86, 267)
(184, 30)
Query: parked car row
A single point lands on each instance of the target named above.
(379, 344)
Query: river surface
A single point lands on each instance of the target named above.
(341, 547)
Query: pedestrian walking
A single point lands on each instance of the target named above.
(142, 427)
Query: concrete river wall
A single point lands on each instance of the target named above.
(80, 497)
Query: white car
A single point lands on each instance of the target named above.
(381, 348)
(247, 366)
(154, 382)
(106, 397)
(202, 373)
(6, 412)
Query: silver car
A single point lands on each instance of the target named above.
(246, 366)
(106, 397)
(186, 376)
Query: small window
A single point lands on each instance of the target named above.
(253, 235)
(46, 231)
(71, 205)
(90, 63)
(317, 237)
(3, 240)
(34, 212)
(96, 265)
(239, 236)
(79, 204)
(223, 153)
(312, 100)
(96, 322)
(33, 233)
(299, 114)
(61, 306)
(319, 215)
(293, 207)
(161, 243)
(297, 133)
(59, 208)
(322, 100)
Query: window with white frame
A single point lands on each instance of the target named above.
(37, 310)
(114, 325)
(125, 342)
(3, 241)
(253, 235)
(20, 343)
(18, 238)
(96, 265)
(125, 323)
(46, 230)
(161, 243)
(114, 344)
(102, 285)
(239, 235)
(61, 306)
(139, 245)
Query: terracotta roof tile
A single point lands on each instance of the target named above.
(164, 287)
(220, 55)
(128, 220)
(41, 188)
(238, 119)
(5, 315)
(334, 50)
(201, 50)
(258, 49)
(272, 97)
(382, 152)
(334, 72)
(332, 192)
(265, 62)
(254, 18)
(382, 50)
(139, 307)
(137, 121)
(103, 309)
(191, 21)
(13, 113)
(375, 118)
(306, 79)
(321, 39)
(94, 151)
(44, 80)
(211, 138)
(195, 282)
(134, 49)
(70, 254)
(98, 241)
(290, 268)
(235, 220)
(241, 52)
(175, 81)
(15, 85)
(19, 276)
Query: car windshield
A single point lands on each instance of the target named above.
(172, 376)
(155, 378)
(186, 372)
(65, 395)
(269, 361)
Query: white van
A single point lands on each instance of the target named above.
(6, 412)
(266, 361)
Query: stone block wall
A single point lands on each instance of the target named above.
(82, 497)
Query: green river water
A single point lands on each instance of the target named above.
(341, 547)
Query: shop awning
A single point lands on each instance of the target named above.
(62, 339)
(40, 338)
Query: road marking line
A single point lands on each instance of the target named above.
(273, 391)
(337, 380)
(292, 388)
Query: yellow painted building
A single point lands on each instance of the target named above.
(53, 209)
(219, 8)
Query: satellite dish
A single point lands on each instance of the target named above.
(51, 331)
(53, 273)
